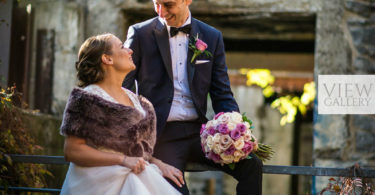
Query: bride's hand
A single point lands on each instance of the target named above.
(169, 172)
(136, 164)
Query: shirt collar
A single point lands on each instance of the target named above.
(188, 21)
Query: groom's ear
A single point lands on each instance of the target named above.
(106, 59)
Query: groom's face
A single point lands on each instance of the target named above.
(174, 12)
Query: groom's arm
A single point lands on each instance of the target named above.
(220, 91)
(132, 42)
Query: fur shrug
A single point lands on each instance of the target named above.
(109, 125)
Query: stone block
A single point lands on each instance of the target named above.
(369, 36)
(362, 8)
(366, 50)
(363, 65)
(330, 133)
(357, 22)
(365, 142)
(357, 35)
(364, 123)
(372, 19)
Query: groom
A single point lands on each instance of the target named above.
(178, 89)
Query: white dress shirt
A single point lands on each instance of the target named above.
(182, 108)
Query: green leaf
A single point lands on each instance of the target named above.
(9, 160)
(249, 157)
(232, 166)
(244, 118)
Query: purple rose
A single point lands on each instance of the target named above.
(248, 147)
(203, 128)
(211, 131)
(204, 135)
(200, 45)
(223, 129)
(213, 156)
(218, 114)
(241, 127)
(230, 150)
(235, 134)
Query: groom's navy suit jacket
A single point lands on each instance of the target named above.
(150, 42)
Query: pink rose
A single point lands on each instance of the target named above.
(213, 156)
(211, 131)
(203, 128)
(200, 45)
(241, 127)
(223, 129)
(218, 114)
(230, 150)
(235, 134)
(248, 147)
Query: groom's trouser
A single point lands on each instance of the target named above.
(179, 143)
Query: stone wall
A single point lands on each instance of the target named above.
(45, 131)
(345, 44)
(65, 18)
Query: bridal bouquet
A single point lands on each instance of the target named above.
(228, 138)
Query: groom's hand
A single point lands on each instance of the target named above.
(170, 172)
(136, 164)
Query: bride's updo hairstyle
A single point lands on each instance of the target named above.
(89, 70)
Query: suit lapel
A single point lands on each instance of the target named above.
(162, 40)
(190, 66)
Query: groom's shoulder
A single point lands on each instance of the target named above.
(146, 24)
(206, 27)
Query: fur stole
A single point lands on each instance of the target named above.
(109, 125)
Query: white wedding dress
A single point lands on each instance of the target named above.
(116, 179)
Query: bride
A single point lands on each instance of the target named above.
(110, 131)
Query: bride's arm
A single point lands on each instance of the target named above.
(169, 171)
(77, 151)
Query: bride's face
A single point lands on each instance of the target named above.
(121, 56)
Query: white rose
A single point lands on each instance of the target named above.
(227, 158)
(209, 141)
(239, 143)
(247, 136)
(224, 119)
(231, 126)
(206, 148)
(236, 117)
(209, 124)
(216, 138)
(215, 123)
(247, 125)
(216, 148)
(225, 141)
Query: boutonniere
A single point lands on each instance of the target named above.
(198, 47)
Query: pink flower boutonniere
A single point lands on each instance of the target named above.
(198, 47)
